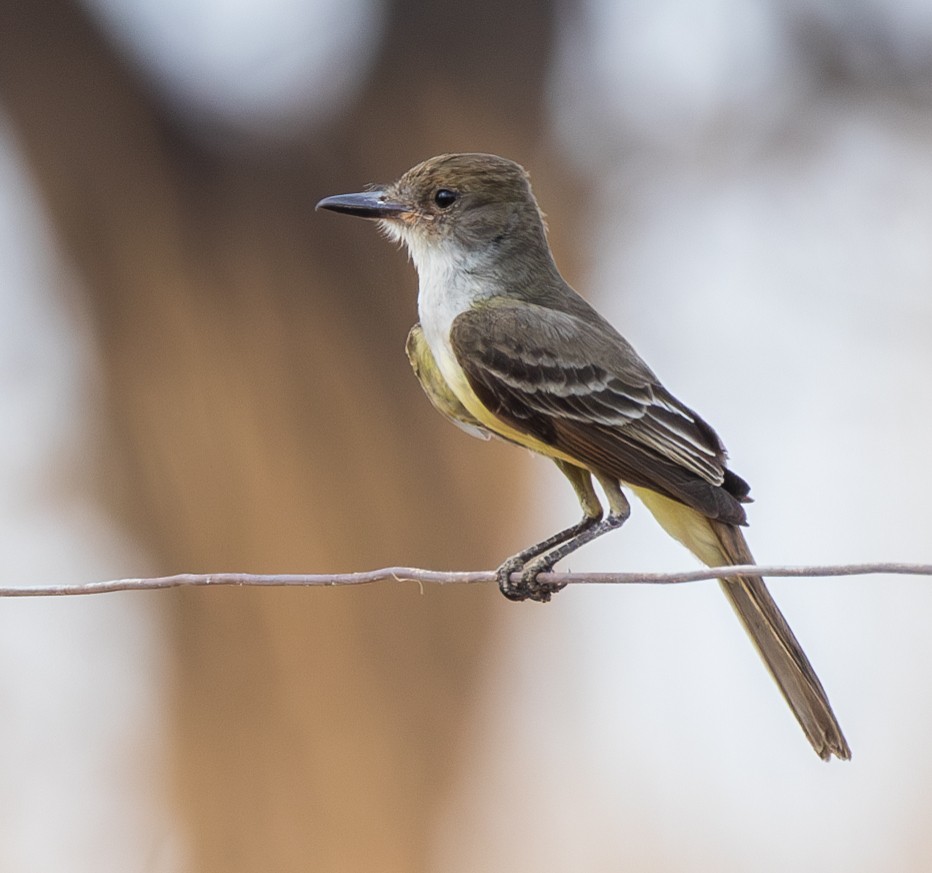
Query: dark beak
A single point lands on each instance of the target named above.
(369, 204)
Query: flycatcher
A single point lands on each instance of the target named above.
(506, 348)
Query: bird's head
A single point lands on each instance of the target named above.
(460, 205)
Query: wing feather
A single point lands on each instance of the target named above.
(577, 385)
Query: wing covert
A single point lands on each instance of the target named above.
(578, 386)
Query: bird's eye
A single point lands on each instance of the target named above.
(444, 197)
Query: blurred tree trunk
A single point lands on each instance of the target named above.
(261, 417)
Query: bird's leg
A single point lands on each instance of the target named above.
(544, 561)
(592, 517)
(517, 563)
(541, 591)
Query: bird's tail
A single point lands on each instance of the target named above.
(716, 543)
(779, 648)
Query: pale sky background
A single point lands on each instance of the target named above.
(776, 273)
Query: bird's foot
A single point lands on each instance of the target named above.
(528, 586)
(516, 591)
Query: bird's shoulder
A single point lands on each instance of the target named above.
(559, 331)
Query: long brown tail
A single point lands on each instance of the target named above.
(780, 650)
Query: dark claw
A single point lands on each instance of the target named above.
(537, 590)
(527, 587)
(516, 591)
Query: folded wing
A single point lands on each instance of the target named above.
(577, 385)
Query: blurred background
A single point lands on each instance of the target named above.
(744, 188)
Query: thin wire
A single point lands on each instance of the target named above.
(435, 577)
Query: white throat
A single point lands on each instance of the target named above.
(450, 282)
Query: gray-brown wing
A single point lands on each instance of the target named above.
(579, 386)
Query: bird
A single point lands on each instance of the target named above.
(506, 348)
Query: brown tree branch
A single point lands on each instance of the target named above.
(436, 577)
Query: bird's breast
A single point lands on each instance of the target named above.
(438, 308)
(448, 286)
(441, 299)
